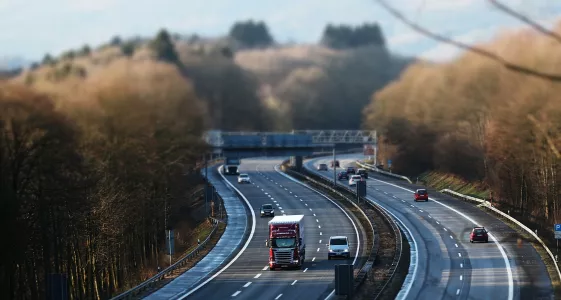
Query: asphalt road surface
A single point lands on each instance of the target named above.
(249, 277)
(449, 266)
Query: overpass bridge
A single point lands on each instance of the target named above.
(234, 146)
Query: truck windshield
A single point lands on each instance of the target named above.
(283, 243)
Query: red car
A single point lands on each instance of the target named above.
(479, 234)
(421, 195)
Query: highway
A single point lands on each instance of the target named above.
(248, 277)
(449, 266)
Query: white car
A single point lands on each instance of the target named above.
(244, 178)
(338, 246)
(354, 179)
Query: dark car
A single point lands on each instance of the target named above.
(421, 195)
(267, 210)
(322, 167)
(343, 175)
(351, 170)
(335, 164)
(363, 173)
(479, 234)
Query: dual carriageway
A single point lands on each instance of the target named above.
(444, 264)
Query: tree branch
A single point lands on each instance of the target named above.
(509, 11)
(509, 65)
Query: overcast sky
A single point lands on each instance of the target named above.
(31, 28)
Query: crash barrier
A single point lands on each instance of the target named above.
(488, 205)
(375, 169)
(155, 280)
(363, 272)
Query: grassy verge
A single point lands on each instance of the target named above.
(439, 181)
(203, 231)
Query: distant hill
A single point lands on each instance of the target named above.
(10, 63)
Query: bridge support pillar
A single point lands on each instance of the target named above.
(296, 162)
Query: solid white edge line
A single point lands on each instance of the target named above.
(241, 250)
(326, 197)
(346, 214)
(414, 253)
(503, 253)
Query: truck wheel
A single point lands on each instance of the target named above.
(328, 257)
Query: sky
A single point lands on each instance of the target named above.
(32, 28)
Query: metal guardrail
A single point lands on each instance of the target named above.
(487, 204)
(152, 281)
(169, 270)
(375, 169)
(362, 274)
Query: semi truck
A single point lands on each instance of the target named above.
(286, 242)
(231, 166)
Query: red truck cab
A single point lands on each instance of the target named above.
(286, 242)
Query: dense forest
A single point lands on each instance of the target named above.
(97, 143)
(474, 118)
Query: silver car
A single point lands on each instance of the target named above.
(338, 247)
(244, 178)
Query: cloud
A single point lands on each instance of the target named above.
(432, 5)
(90, 6)
(445, 52)
(405, 39)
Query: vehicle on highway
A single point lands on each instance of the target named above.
(351, 170)
(335, 164)
(362, 172)
(479, 234)
(322, 167)
(231, 166)
(286, 242)
(343, 175)
(338, 247)
(267, 210)
(354, 179)
(421, 195)
(244, 178)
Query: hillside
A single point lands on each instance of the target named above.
(284, 87)
(474, 118)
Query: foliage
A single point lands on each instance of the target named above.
(345, 36)
(85, 51)
(251, 33)
(164, 47)
(128, 48)
(84, 184)
(473, 118)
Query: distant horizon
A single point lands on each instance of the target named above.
(80, 22)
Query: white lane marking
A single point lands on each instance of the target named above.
(451, 237)
(315, 215)
(247, 284)
(280, 207)
(236, 293)
(430, 217)
(456, 245)
(251, 233)
(459, 254)
(499, 246)
(457, 291)
(313, 259)
(445, 229)
(437, 222)
(257, 276)
(306, 269)
(320, 241)
(461, 277)
(317, 220)
(319, 226)
(282, 211)
(311, 210)
(320, 233)
(317, 250)
(306, 204)
(265, 268)
(294, 282)
(280, 295)
(461, 265)
(420, 210)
